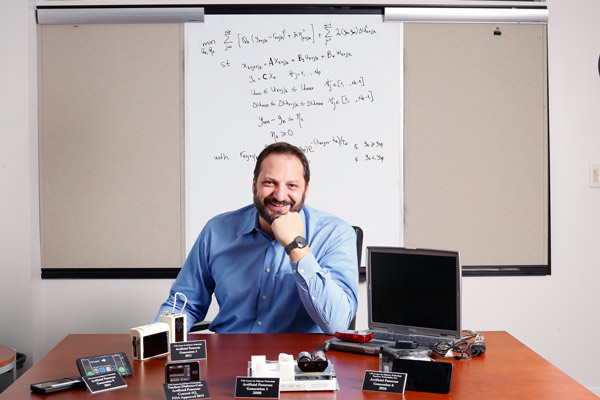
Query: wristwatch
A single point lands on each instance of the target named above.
(298, 243)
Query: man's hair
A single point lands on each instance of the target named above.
(282, 148)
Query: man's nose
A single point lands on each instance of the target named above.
(280, 193)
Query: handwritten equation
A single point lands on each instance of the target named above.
(313, 146)
(317, 83)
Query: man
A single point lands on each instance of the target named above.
(277, 265)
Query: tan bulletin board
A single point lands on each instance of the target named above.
(112, 145)
(476, 142)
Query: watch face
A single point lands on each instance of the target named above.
(300, 242)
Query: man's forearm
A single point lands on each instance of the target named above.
(297, 254)
(330, 301)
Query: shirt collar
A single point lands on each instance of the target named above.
(249, 221)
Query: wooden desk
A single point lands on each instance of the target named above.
(508, 370)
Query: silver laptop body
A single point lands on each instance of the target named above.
(413, 295)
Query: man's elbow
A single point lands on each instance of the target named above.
(336, 326)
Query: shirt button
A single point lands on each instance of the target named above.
(301, 271)
(264, 297)
(260, 322)
(313, 297)
(295, 271)
(268, 269)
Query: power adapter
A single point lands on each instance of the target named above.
(477, 348)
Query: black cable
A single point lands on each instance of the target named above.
(459, 347)
(468, 346)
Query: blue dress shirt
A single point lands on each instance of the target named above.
(256, 286)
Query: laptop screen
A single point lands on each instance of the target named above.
(414, 291)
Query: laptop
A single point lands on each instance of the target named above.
(413, 295)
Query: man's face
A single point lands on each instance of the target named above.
(280, 186)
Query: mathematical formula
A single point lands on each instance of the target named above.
(313, 84)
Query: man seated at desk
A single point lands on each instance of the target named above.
(275, 266)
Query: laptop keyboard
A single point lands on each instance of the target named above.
(423, 341)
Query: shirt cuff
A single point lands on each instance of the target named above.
(306, 268)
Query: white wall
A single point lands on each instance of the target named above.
(556, 316)
(18, 182)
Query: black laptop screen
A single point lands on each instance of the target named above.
(415, 288)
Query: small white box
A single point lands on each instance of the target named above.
(149, 341)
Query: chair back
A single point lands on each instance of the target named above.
(359, 245)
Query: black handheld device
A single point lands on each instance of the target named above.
(94, 365)
(56, 385)
(425, 376)
(176, 372)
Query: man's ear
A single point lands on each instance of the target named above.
(306, 190)
(253, 186)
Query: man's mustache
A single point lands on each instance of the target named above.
(271, 200)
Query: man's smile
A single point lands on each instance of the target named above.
(278, 206)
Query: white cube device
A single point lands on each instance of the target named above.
(149, 341)
(177, 326)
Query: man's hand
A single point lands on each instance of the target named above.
(287, 227)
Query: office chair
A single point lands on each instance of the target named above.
(359, 244)
(203, 325)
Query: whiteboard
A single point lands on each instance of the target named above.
(329, 84)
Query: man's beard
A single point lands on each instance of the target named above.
(270, 217)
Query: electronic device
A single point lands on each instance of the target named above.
(309, 372)
(413, 295)
(477, 348)
(100, 364)
(406, 344)
(56, 385)
(150, 341)
(354, 336)
(177, 326)
(389, 354)
(177, 372)
(425, 376)
(177, 321)
(315, 362)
